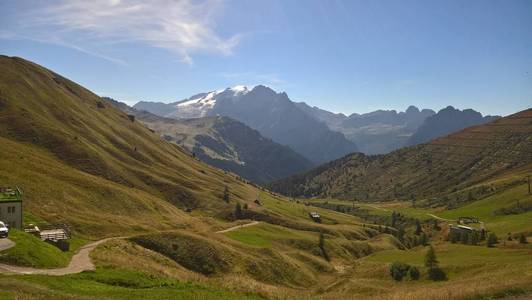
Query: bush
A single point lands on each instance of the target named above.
(399, 270)
(414, 273)
(522, 239)
(437, 274)
(492, 240)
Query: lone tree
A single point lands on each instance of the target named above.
(492, 240)
(418, 227)
(431, 261)
(423, 239)
(226, 194)
(238, 211)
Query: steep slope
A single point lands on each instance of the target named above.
(227, 144)
(272, 114)
(445, 165)
(446, 121)
(84, 162)
(333, 120)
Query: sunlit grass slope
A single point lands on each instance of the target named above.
(81, 161)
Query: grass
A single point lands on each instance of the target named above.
(300, 212)
(30, 251)
(455, 255)
(263, 235)
(500, 224)
(106, 283)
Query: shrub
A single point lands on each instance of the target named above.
(437, 274)
(399, 270)
(492, 240)
(522, 239)
(414, 273)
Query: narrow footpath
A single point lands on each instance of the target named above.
(80, 262)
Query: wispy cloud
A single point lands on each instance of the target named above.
(183, 27)
(251, 78)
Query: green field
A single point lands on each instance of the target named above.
(110, 284)
(263, 235)
(30, 251)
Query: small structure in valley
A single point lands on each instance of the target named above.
(57, 235)
(315, 217)
(467, 220)
(460, 229)
(11, 207)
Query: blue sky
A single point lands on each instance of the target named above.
(341, 55)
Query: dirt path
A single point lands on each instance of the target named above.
(6, 244)
(238, 227)
(80, 262)
(378, 208)
(440, 218)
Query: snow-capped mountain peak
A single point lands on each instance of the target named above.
(201, 104)
(239, 89)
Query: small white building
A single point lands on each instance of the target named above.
(11, 207)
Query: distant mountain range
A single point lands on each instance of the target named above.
(376, 132)
(446, 121)
(318, 134)
(227, 144)
(441, 166)
(273, 114)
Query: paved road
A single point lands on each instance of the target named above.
(6, 244)
(80, 262)
(238, 227)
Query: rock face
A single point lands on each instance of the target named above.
(227, 144)
(445, 165)
(446, 121)
(383, 131)
(273, 114)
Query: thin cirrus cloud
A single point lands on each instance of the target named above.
(251, 78)
(183, 27)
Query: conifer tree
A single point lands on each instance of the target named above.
(418, 227)
(430, 259)
(238, 211)
(226, 194)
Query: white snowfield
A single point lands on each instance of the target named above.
(200, 106)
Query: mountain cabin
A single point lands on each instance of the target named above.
(11, 207)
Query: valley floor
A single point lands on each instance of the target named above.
(261, 259)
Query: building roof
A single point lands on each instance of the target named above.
(10, 195)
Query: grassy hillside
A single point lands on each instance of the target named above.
(447, 166)
(81, 161)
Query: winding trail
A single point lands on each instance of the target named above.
(80, 262)
(440, 218)
(238, 227)
(378, 208)
(6, 244)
